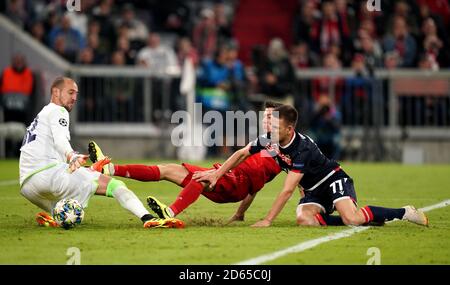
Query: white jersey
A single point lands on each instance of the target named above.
(46, 142)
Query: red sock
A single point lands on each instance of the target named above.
(138, 172)
(187, 196)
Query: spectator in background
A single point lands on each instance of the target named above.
(371, 50)
(205, 34)
(347, 16)
(59, 46)
(73, 40)
(137, 31)
(123, 45)
(38, 32)
(330, 31)
(237, 77)
(304, 21)
(372, 21)
(102, 15)
(186, 50)
(156, 56)
(86, 56)
(276, 78)
(325, 127)
(402, 42)
(403, 9)
(100, 55)
(16, 88)
(223, 23)
(16, 12)
(432, 45)
(214, 90)
(214, 82)
(302, 57)
(438, 7)
(391, 60)
(357, 92)
(122, 91)
(425, 13)
(331, 86)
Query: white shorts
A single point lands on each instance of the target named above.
(46, 188)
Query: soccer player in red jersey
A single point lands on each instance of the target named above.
(326, 186)
(239, 184)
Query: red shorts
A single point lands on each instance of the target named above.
(230, 188)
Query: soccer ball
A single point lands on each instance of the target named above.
(68, 213)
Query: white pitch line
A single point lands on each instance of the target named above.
(9, 182)
(315, 242)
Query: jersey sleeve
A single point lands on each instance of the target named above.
(59, 125)
(258, 144)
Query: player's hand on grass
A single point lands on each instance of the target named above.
(208, 177)
(262, 224)
(76, 160)
(236, 217)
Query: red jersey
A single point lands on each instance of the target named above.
(247, 178)
(260, 168)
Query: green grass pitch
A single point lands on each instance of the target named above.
(110, 235)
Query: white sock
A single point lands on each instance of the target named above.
(128, 200)
(170, 212)
(111, 169)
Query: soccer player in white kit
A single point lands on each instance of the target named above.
(50, 170)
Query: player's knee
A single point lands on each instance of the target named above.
(113, 185)
(306, 220)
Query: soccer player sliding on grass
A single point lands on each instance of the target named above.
(326, 186)
(50, 170)
(240, 184)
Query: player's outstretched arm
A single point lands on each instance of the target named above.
(234, 160)
(243, 207)
(291, 182)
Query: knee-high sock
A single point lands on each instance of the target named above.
(138, 172)
(187, 196)
(128, 200)
(380, 214)
(328, 220)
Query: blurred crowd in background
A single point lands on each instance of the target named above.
(404, 34)
(330, 34)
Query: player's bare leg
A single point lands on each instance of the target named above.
(353, 216)
(174, 173)
(306, 214)
(350, 215)
(111, 187)
(311, 214)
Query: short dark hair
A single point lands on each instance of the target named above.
(272, 104)
(288, 114)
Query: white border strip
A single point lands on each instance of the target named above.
(315, 242)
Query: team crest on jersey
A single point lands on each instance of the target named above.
(63, 122)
